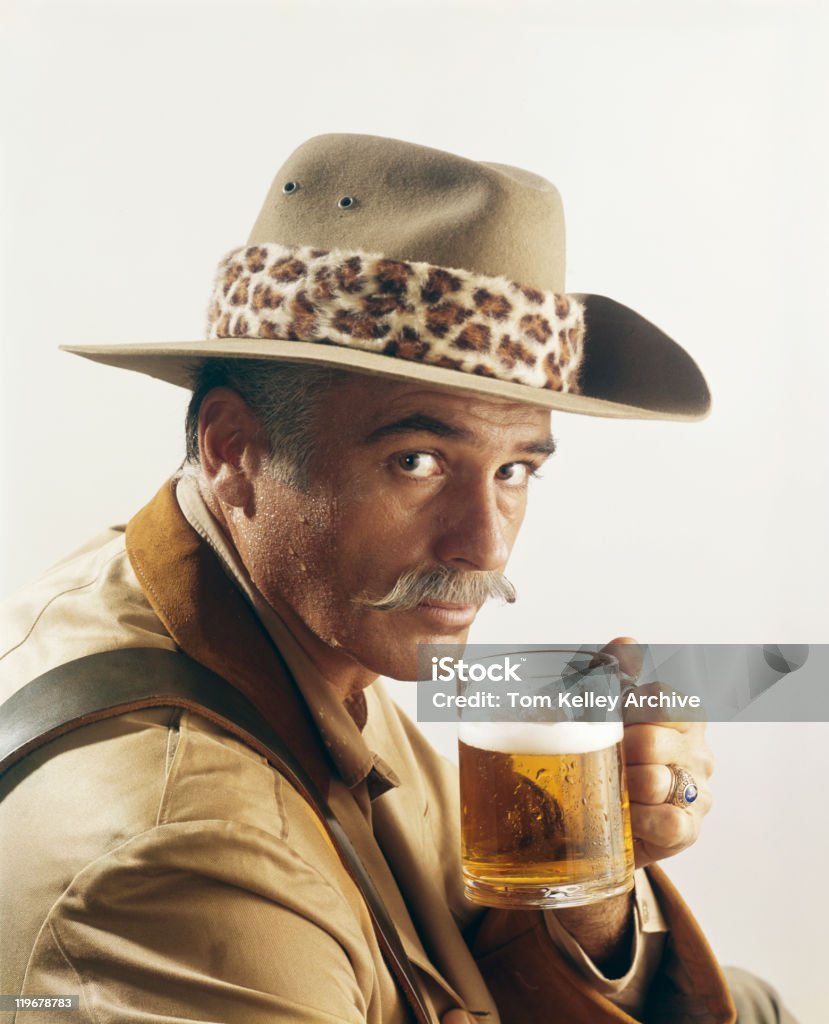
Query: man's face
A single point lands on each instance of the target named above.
(403, 478)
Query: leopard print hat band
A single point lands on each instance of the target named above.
(468, 322)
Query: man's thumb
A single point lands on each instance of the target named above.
(457, 1017)
(629, 654)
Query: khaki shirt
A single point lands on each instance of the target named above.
(159, 868)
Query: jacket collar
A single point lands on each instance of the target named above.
(209, 619)
(344, 740)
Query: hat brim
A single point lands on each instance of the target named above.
(631, 370)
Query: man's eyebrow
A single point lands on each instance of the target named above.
(422, 423)
(547, 447)
(418, 423)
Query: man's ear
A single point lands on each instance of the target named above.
(231, 447)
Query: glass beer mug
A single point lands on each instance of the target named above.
(545, 818)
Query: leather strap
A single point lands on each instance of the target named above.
(112, 683)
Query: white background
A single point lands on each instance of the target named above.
(139, 140)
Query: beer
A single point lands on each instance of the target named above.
(545, 819)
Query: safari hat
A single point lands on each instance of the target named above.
(389, 258)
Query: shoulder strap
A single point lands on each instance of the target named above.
(112, 683)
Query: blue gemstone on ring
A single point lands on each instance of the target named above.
(690, 794)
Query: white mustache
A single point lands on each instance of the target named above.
(439, 583)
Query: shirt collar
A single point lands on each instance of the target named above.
(354, 760)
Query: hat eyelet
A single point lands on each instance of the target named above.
(347, 202)
(290, 187)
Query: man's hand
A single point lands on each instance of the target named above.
(661, 830)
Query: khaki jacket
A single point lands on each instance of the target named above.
(159, 868)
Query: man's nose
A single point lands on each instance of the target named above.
(474, 531)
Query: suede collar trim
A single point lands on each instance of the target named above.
(210, 620)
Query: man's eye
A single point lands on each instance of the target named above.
(516, 474)
(419, 464)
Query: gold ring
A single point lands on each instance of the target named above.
(684, 789)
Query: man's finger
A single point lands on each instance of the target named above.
(654, 744)
(668, 827)
(649, 783)
(652, 784)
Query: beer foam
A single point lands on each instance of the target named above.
(541, 737)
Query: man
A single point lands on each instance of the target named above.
(371, 402)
